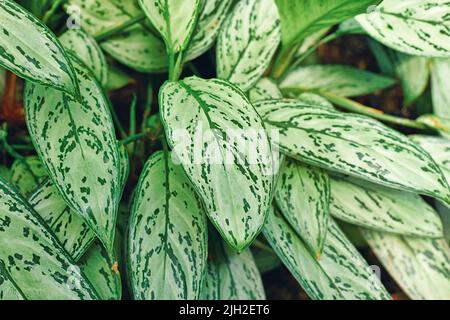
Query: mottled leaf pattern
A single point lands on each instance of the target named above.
(355, 145)
(29, 49)
(265, 89)
(87, 50)
(27, 174)
(174, 19)
(417, 27)
(341, 273)
(340, 80)
(231, 276)
(232, 168)
(440, 87)
(77, 144)
(35, 260)
(420, 266)
(303, 196)
(8, 289)
(247, 41)
(383, 209)
(167, 244)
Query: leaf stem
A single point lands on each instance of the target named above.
(283, 61)
(134, 138)
(116, 120)
(55, 6)
(107, 33)
(262, 246)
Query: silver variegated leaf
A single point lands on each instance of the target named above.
(174, 19)
(29, 49)
(341, 272)
(340, 80)
(210, 20)
(220, 140)
(383, 209)
(167, 241)
(8, 290)
(417, 27)
(27, 174)
(440, 87)
(264, 89)
(77, 144)
(247, 41)
(87, 50)
(32, 256)
(420, 266)
(303, 196)
(354, 145)
(231, 276)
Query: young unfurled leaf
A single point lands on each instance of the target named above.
(300, 19)
(174, 19)
(210, 20)
(421, 267)
(303, 195)
(417, 27)
(440, 87)
(247, 41)
(77, 144)
(354, 145)
(340, 80)
(32, 256)
(383, 209)
(264, 89)
(167, 241)
(29, 49)
(231, 276)
(341, 273)
(27, 174)
(87, 50)
(222, 144)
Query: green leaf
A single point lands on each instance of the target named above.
(354, 145)
(231, 276)
(117, 79)
(29, 49)
(77, 144)
(340, 80)
(210, 20)
(247, 42)
(8, 289)
(264, 89)
(87, 50)
(384, 209)
(266, 261)
(341, 272)
(5, 173)
(420, 266)
(167, 244)
(300, 19)
(303, 196)
(2, 81)
(175, 20)
(417, 27)
(440, 88)
(231, 166)
(27, 174)
(36, 262)
(136, 47)
(97, 267)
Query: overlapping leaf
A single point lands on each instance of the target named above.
(167, 241)
(417, 27)
(8, 290)
(29, 49)
(247, 41)
(341, 273)
(27, 174)
(76, 143)
(353, 144)
(264, 89)
(222, 144)
(440, 87)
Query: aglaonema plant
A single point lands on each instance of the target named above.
(238, 151)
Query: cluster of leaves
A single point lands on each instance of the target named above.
(75, 224)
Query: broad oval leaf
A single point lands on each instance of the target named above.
(27, 174)
(420, 266)
(231, 276)
(440, 87)
(167, 240)
(87, 50)
(340, 80)
(264, 89)
(354, 145)
(222, 144)
(77, 144)
(247, 41)
(29, 49)
(384, 209)
(341, 272)
(35, 260)
(303, 196)
(417, 27)
(174, 19)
